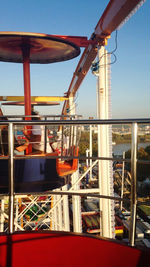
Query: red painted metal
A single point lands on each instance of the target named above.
(37, 48)
(82, 68)
(34, 48)
(80, 41)
(44, 48)
(114, 14)
(26, 73)
(66, 249)
(27, 89)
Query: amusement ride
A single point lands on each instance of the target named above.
(41, 217)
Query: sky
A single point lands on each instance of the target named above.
(130, 75)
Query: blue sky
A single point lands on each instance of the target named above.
(129, 75)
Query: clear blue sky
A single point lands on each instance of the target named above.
(130, 74)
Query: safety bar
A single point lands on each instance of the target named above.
(43, 116)
(75, 122)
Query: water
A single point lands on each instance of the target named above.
(120, 148)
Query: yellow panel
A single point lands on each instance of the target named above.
(118, 231)
(34, 98)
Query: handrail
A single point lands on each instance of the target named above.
(16, 157)
(43, 116)
(76, 122)
(70, 193)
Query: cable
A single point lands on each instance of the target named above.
(96, 65)
(115, 59)
(116, 43)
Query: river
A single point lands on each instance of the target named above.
(120, 148)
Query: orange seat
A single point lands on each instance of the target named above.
(68, 166)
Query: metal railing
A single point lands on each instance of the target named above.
(11, 157)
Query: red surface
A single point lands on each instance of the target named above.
(114, 14)
(43, 48)
(78, 40)
(27, 89)
(64, 249)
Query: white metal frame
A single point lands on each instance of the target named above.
(105, 145)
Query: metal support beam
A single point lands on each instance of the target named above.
(105, 146)
(66, 218)
(76, 200)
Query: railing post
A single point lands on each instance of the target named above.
(11, 177)
(133, 184)
(122, 182)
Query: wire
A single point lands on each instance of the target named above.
(114, 61)
(96, 65)
(116, 43)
